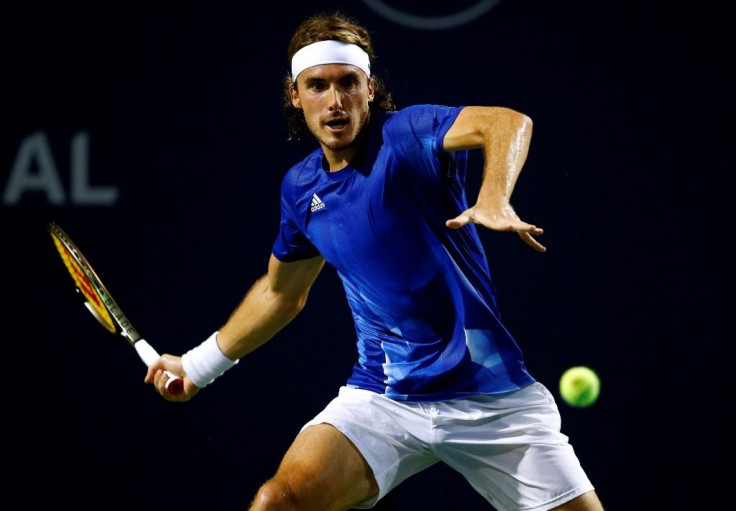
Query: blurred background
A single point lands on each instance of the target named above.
(152, 133)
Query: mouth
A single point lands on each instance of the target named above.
(336, 125)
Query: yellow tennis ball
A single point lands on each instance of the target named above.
(580, 386)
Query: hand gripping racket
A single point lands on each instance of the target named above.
(102, 306)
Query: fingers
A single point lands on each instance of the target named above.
(458, 221)
(525, 231)
(496, 222)
(529, 240)
(162, 372)
(160, 381)
(151, 374)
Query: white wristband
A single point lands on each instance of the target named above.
(206, 362)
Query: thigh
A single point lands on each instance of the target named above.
(512, 451)
(324, 470)
(393, 437)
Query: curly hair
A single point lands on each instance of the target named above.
(335, 26)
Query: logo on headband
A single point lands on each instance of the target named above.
(428, 22)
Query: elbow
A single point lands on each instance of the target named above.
(527, 127)
(290, 306)
(520, 123)
(299, 304)
(520, 119)
(527, 123)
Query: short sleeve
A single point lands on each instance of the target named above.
(291, 244)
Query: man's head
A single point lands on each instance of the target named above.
(330, 89)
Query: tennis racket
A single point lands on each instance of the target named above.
(102, 306)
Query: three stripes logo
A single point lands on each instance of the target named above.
(316, 203)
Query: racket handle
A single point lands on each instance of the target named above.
(174, 384)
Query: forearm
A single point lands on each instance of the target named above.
(270, 304)
(260, 315)
(505, 149)
(504, 135)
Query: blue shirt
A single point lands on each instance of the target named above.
(421, 295)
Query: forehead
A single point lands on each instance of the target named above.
(330, 72)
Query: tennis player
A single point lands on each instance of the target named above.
(438, 378)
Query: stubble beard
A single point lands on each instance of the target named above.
(347, 144)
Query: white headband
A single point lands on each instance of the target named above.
(329, 52)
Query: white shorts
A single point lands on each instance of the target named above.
(509, 447)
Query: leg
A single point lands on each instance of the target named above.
(512, 452)
(585, 502)
(321, 471)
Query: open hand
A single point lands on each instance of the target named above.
(502, 219)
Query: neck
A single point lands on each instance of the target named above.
(341, 158)
(338, 159)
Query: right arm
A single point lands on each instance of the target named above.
(270, 304)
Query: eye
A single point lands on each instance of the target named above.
(350, 82)
(316, 85)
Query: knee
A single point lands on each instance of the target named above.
(274, 496)
(289, 494)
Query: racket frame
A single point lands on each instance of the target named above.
(116, 322)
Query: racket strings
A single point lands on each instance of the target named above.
(84, 285)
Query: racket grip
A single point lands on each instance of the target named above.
(149, 355)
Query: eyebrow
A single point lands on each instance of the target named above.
(316, 79)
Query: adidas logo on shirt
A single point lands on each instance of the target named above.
(317, 203)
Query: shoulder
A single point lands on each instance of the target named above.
(422, 119)
(304, 171)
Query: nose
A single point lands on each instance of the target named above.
(335, 98)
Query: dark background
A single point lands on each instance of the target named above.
(628, 174)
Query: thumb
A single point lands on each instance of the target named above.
(460, 220)
(150, 373)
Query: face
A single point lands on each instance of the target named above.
(335, 100)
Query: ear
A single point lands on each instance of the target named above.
(295, 101)
(371, 89)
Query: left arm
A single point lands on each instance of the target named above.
(504, 136)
